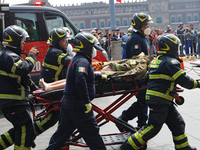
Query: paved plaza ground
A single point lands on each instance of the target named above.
(190, 111)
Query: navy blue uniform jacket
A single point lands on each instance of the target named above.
(80, 85)
(136, 44)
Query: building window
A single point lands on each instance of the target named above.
(82, 26)
(109, 23)
(179, 19)
(189, 18)
(196, 18)
(159, 20)
(102, 24)
(99, 11)
(117, 23)
(173, 19)
(125, 23)
(94, 24)
(95, 11)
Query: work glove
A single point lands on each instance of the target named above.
(34, 50)
(104, 77)
(89, 107)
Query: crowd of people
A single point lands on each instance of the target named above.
(189, 37)
(73, 71)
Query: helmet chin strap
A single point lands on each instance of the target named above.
(140, 30)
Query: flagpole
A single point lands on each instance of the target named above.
(112, 14)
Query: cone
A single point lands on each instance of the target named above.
(182, 66)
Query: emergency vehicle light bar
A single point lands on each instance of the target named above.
(38, 3)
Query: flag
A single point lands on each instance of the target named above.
(119, 1)
(81, 69)
(136, 47)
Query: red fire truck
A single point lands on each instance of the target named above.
(38, 21)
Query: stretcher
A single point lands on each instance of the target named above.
(126, 90)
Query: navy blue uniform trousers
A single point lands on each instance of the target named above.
(75, 118)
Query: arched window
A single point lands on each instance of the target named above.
(118, 23)
(125, 23)
(173, 19)
(102, 24)
(196, 18)
(82, 26)
(189, 18)
(179, 19)
(94, 24)
(159, 20)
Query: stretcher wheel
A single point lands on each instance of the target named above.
(180, 100)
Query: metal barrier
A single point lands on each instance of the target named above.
(189, 45)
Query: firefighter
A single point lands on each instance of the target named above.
(52, 118)
(76, 110)
(136, 44)
(124, 40)
(54, 68)
(57, 57)
(14, 88)
(164, 73)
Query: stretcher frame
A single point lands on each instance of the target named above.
(102, 114)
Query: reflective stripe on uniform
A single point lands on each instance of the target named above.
(60, 57)
(179, 146)
(139, 138)
(133, 63)
(161, 76)
(147, 129)
(171, 88)
(3, 73)
(23, 140)
(2, 143)
(177, 74)
(11, 96)
(180, 137)
(58, 72)
(49, 66)
(195, 84)
(9, 138)
(21, 148)
(23, 136)
(118, 67)
(159, 94)
(132, 143)
(41, 123)
(31, 60)
(15, 65)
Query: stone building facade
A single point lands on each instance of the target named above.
(86, 16)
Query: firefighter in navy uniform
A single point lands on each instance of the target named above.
(57, 57)
(76, 110)
(54, 68)
(136, 44)
(164, 74)
(14, 81)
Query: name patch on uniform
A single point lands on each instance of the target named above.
(136, 47)
(81, 69)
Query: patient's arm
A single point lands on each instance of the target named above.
(52, 86)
